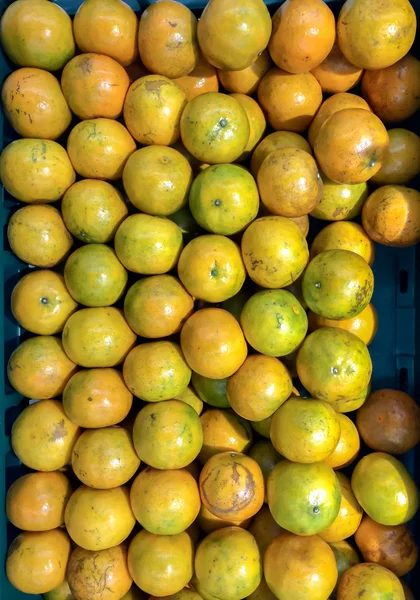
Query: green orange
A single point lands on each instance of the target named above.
(340, 201)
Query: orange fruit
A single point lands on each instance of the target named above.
(167, 435)
(289, 101)
(41, 302)
(274, 251)
(309, 28)
(350, 514)
(202, 79)
(148, 245)
(213, 343)
(36, 33)
(165, 502)
(215, 128)
(345, 558)
(186, 222)
(335, 73)
(189, 396)
(107, 27)
(246, 81)
(402, 159)
(99, 575)
(240, 571)
(233, 34)
(340, 201)
(264, 453)
(43, 437)
(350, 404)
(61, 592)
(364, 325)
(211, 391)
(36, 502)
(289, 182)
(275, 141)
(96, 398)
(86, 144)
(209, 522)
(262, 427)
(264, 529)
(257, 123)
(344, 235)
(372, 580)
(348, 445)
(389, 421)
(223, 431)
(262, 592)
(391, 216)
(36, 562)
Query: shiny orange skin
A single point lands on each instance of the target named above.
(189, 396)
(389, 421)
(99, 575)
(97, 337)
(107, 27)
(402, 159)
(344, 235)
(36, 502)
(99, 148)
(202, 79)
(289, 101)
(339, 156)
(233, 34)
(340, 201)
(41, 302)
(36, 561)
(289, 182)
(153, 108)
(213, 343)
(303, 35)
(297, 567)
(161, 565)
(257, 123)
(246, 81)
(364, 325)
(348, 445)
(34, 104)
(211, 391)
(370, 579)
(36, 33)
(275, 141)
(232, 486)
(208, 522)
(391, 216)
(348, 405)
(346, 557)
(394, 92)
(349, 516)
(335, 73)
(264, 529)
(168, 39)
(223, 430)
(96, 398)
(95, 85)
(391, 547)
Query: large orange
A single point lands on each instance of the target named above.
(275, 141)
(233, 34)
(211, 391)
(348, 446)
(344, 235)
(202, 79)
(345, 557)
(223, 431)
(303, 35)
(364, 325)
(208, 522)
(371, 580)
(402, 159)
(340, 201)
(350, 514)
(335, 73)
(264, 529)
(289, 101)
(246, 81)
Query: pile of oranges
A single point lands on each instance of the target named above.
(192, 360)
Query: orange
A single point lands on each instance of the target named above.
(153, 108)
(246, 81)
(384, 488)
(257, 123)
(350, 514)
(376, 36)
(264, 529)
(391, 547)
(393, 93)
(402, 159)
(364, 325)
(334, 365)
(34, 104)
(264, 453)
(211, 391)
(389, 421)
(186, 222)
(262, 592)
(161, 565)
(213, 343)
(96, 398)
(289, 101)
(97, 337)
(223, 431)
(202, 79)
(209, 522)
(224, 199)
(303, 35)
(289, 182)
(340, 201)
(165, 502)
(232, 486)
(345, 557)
(215, 128)
(43, 437)
(41, 302)
(348, 446)
(274, 251)
(36, 170)
(228, 564)
(350, 404)
(335, 73)
(167, 435)
(61, 592)
(340, 157)
(275, 141)
(391, 216)
(37, 33)
(296, 567)
(344, 235)
(157, 180)
(262, 427)
(99, 148)
(36, 561)
(233, 34)
(157, 306)
(235, 304)
(156, 371)
(36, 502)
(107, 27)
(371, 580)
(168, 39)
(189, 396)
(99, 575)
(92, 211)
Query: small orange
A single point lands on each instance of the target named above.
(364, 325)
(223, 431)
(264, 529)
(340, 201)
(211, 391)
(246, 80)
(371, 580)
(202, 79)
(189, 396)
(350, 514)
(209, 522)
(262, 427)
(275, 141)
(344, 235)
(264, 453)
(61, 592)
(348, 446)
(402, 159)
(335, 73)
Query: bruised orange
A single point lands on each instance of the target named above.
(275, 141)
(348, 446)
(246, 81)
(371, 580)
(335, 73)
(223, 431)
(402, 159)
(340, 201)
(364, 325)
(344, 235)
(349, 516)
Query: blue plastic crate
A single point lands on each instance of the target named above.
(396, 298)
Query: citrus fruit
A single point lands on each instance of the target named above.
(262, 592)
(348, 445)
(349, 404)
(246, 81)
(209, 522)
(335, 73)
(189, 396)
(344, 235)
(402, 159)
(202, 79)
(340, 201)
(223, 431)
(257, 123)
(264, 453)
(264, 529)
(61, 592)
(235, 304)
(370, 579)
(186, 222)
(364, 325)
(345, 557)
(211, 391)
(350, 514)
(262, 427)
(275, 141)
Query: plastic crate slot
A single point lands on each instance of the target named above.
(403, 281)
